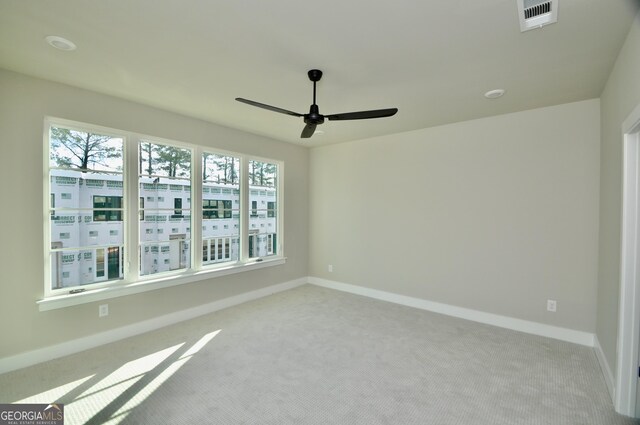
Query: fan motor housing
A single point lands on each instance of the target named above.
(314, 117)
(314, 75)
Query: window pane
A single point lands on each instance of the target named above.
(77, 229)
(79, 150)
(165, 208)
(220, 208)
(164, 241)
(158, 160)
(164, 256)
(78, 267)
(263, 177)
(86, 209)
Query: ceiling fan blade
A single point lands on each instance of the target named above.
(308, 131)
(268, 107)
(363, 115)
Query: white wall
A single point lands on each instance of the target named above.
(497, 214)
(24, 102)
(620, 96)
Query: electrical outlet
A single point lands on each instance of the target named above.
(103, 310)
(330, 268)
(551, 305)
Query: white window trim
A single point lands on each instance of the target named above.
(133, 282)
(158, 282)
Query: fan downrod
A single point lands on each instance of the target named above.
(314, 117)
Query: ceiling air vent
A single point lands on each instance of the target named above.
(537, 13)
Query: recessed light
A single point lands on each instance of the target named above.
(60, 43)
(494, 94)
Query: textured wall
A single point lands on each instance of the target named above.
(497, 214)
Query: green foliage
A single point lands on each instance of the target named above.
(146, 150)
(164, 160)
(176, 162)
(220, 169)
(262, 174)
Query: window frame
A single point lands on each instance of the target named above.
(133, 282)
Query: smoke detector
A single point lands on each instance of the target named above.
(537, 13)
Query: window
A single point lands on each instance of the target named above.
(220, 192)
(112, 205)
(79, 163)
(271, 243)
(177, 205)
(100, 263)
(164, 170)
(263, 178)
(216, 208)
(271, 209)
(216, 250)
(96, 192)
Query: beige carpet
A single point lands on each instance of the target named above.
(317, 356)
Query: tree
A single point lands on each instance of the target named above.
(262, 174)
(176, 162)
(84, 151)
(232, 176)
(222, 169)
(205, 156)
(147, 149)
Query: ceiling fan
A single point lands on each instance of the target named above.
(314, 118)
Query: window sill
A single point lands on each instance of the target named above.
(68, 300)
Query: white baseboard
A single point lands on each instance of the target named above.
(30, 358)
(555, 332)
(604, 366)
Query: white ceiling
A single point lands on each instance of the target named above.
(432, 59)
